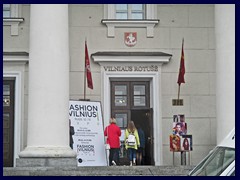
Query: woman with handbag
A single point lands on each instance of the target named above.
(113, 133)
(131, 142)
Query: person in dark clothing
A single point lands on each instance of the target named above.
(141, 149)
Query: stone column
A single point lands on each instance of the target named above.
(48, 121)
(225, 69)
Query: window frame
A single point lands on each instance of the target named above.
(130, 12)
(7, 9)
(128, 105)
(149, 22)
(15, 19)
(14, 11)
(146, 95)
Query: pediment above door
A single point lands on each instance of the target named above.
(130, 57)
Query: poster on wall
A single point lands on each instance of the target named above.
(88, 139)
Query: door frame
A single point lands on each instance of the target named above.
(155, 91)
(130, 110)
(18, 109)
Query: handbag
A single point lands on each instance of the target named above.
(107, 145)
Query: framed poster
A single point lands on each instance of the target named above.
(179, 128)
(176, 118)
(179, 118)
(186, 143)
(88, 139)
(175, 143)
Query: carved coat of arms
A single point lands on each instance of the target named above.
(130, 38)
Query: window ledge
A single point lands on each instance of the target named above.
(112, 23)
(14, 23)
(15, 57)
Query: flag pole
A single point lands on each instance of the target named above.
(85, 69)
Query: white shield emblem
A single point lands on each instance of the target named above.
(130, 38)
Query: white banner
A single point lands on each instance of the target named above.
(86, 118)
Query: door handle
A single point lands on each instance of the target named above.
(150, 140)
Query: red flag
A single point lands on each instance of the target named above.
(87, 68)
(182, 68)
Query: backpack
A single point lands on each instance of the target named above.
(131, 140)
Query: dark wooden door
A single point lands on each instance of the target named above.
(8, 122)
(130, 100)
(142, 118)
(149, 152)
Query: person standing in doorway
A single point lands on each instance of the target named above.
(141, 149)
(131, 142)
(113, 134)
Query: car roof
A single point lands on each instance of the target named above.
(229, 140)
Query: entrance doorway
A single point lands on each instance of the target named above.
(130, 100)
(8, 122)
(143, 119)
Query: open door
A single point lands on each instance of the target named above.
(130, 100)
(151, 138)
(143, 118)
(8, 122)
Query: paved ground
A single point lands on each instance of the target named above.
(99, 171)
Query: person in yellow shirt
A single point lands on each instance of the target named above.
(131, 142)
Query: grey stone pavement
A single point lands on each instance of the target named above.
(99, 171)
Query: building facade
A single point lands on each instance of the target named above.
(135, 53)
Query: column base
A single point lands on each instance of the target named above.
(46, 162)
(47, 157)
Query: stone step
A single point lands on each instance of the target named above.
(99, 171)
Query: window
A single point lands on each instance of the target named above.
(6, 95)
(11, 11)
(121, 119)
(139, 95)
(130, 95)
(121, 95)
(11, 17)
(130, 11)
(130, 15)
(6, 10)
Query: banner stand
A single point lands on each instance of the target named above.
(183, 158)
(88, 138)
(173, 159)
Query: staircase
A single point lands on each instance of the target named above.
(99, 171)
